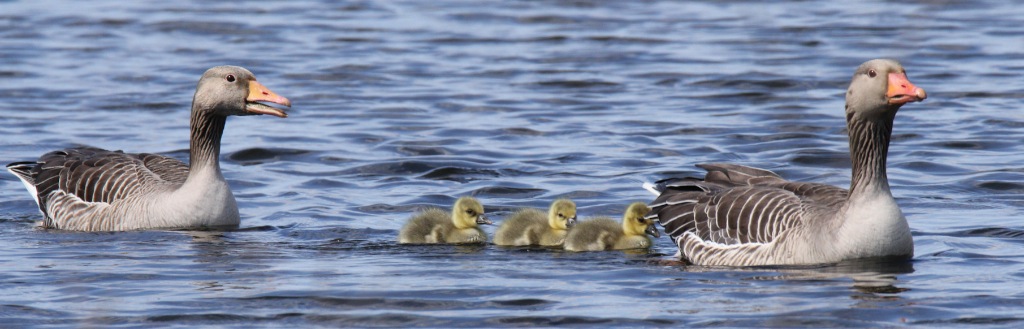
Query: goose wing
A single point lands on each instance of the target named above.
(87, 177)
(737, 205)
(737, 175)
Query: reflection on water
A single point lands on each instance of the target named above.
(872, 276)
(405, 104)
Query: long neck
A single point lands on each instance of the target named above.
(204, 151)
(869, 147)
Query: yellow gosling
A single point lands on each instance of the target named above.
(605, 234)
(531, 227)
(438, 226)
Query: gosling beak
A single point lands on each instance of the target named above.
(482, 220)
(571, 222)
(258, 94)
(652, 230)
(901, 91)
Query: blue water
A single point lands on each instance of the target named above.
(406, 104)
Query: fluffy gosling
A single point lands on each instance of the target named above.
(531, 227)
(439, 226)
(605, 234)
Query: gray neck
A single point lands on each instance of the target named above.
(869, 147)
(204, 151)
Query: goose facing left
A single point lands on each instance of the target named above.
(92, 189)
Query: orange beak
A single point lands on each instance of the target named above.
(260, 93)
(901, 91)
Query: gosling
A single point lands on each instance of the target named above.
(605, 234)
(531, 227)
(438, 226)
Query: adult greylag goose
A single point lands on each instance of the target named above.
(91, 189)
(744, 216)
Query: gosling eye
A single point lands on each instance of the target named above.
(470, 211)
(872, 73)
(561, 216)
(230, 78)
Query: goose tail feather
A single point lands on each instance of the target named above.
(653, 188)
(24, 172)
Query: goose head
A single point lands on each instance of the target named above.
(233, 90)
(468, 213)
(562, 214)
(634, 221)
(878, 89)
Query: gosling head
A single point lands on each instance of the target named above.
(468, 213)
(562, 214)
(635, 223)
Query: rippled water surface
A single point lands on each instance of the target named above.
(406, 104)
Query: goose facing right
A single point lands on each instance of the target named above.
(92, 189)
(743, 216)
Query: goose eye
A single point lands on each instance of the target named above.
(872, 73)
(470, 211)
(560, 215)
(230, 78)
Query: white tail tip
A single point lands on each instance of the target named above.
(651, 188)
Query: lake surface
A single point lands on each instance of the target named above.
(407, 104)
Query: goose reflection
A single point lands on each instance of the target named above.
(868, 275)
